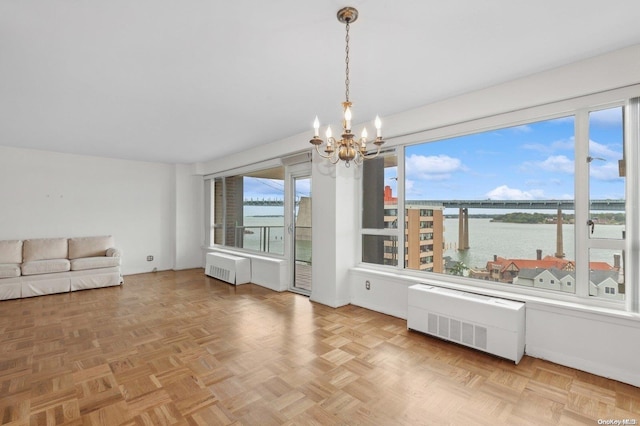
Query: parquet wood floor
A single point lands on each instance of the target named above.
(181, 348)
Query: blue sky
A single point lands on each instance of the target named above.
(533, 161)
(260, 188)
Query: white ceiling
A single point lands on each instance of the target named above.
(191, 80)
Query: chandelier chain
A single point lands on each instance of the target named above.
(346, 61)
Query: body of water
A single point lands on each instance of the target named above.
(486, 238)
(518, 241)
(276, 233)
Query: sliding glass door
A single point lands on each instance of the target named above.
(300, 230)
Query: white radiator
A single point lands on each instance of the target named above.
(225, 267)
(270, 273)
(492, 325)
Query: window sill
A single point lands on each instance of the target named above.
(533, 299)
(242, 252)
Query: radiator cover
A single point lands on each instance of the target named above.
(489, 324)
(225, 267)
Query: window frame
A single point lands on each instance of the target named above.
(209, 188)
(579, 107)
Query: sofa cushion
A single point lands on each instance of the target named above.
(89, 246)
(44, 249)
(37, 267)
(11, 251)
(84, 263)
(9, 270)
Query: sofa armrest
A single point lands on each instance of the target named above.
(113, 252)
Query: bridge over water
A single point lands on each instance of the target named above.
(601, 205)
(464, 205)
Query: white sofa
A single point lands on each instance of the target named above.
(57, 265)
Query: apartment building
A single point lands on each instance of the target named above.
(424, 235)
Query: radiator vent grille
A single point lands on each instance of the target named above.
(219, 273)
(457, 331)
(228, 268)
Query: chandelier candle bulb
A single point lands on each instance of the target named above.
(316, 127)
(378, 125)
(347, 118)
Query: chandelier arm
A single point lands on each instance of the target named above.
(323, 155)
(370, 156)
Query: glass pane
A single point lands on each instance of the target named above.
(496, 205)
(606, 174)
(379, 183)
(218, 211)
(380, 249)
(254, 211)
(233, 216)
(302, 233)
(606, 274)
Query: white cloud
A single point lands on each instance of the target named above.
(410, 189)
(557, 163)
(608, 171)
(600, 150)
(564, 144)
(432, 167)
(503, 192)
(521, 129)
(559, 145)
(553, 163)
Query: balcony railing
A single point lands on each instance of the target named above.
(270, 239)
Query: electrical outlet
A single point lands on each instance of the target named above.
(149, 258)
(367, 285)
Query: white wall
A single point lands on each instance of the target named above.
(335, 231)
(604, 344)
(387, 293)
(46, 194)
(189, 226)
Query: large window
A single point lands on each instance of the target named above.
(505, 200)
(248, 211)
(539, 206)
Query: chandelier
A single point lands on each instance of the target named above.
(348, 148)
